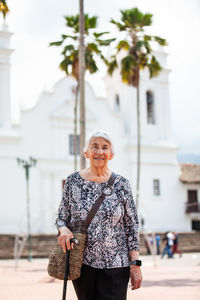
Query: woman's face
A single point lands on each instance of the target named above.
(99, 152)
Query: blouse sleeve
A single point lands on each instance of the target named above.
(131, 222)
(64, 207)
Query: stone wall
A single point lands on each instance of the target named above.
(43, 244)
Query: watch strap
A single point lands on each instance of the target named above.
(136, 262)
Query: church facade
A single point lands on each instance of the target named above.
(45, 132)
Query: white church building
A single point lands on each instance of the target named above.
(45, 132)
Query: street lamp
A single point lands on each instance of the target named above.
(27, 164)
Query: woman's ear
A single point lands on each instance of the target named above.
(85, 154)
(111, 156)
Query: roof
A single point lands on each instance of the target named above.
(190, 173)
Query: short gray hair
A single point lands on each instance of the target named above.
(102, 134)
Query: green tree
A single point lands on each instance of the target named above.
(70, 64)
(138, 55)
(4, 8)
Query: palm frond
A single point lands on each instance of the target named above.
(154, 67)
(104, 59)
(123, 44)
(93, 48)
(143, 60)
(146, 20)
(112, 66)
(105, 42)
(139, 45)
(100, 34)
(4, 8)
(72, 21)
(58, 43)
(131, 17)
(90, 62)
(160, 41)
(65, 63)
(90, 22)
(143, 45)
(147, 37)
(128, 63)
(68, 48)
(119, 25)
(64, 36)
(128, 67)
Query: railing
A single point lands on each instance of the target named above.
(192, 207)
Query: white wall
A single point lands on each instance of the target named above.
(43, 134)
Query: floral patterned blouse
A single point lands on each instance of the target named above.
(113, 231)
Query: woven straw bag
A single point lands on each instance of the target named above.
(56, 266)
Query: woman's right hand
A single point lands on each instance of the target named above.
(64, 239)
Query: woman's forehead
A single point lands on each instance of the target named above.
(99, 140)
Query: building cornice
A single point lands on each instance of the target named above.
(8, 134)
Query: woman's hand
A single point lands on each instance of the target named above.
(64, 239)
(136, 277)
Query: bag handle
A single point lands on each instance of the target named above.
(107, 191)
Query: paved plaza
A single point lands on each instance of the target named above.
(166, 279)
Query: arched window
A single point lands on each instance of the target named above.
(150, 107)
(117, 103)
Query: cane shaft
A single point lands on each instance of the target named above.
(66, 274)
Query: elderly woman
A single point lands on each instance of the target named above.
(111, 253)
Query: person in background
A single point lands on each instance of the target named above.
(168, 243)
(175, 245)
(157, 244)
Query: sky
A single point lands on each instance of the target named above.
(35, 23)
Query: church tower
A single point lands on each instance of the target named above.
(159, 168)
(154, 104)
(5, 99)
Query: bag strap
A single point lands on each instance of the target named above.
(107, 191)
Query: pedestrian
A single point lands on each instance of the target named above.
(157, 244)
(175, 248)
(168, 242)
(111, 253)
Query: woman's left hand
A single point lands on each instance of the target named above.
(136, 277)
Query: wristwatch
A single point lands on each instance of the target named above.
(136, 262)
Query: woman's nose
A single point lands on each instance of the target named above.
(100, 151)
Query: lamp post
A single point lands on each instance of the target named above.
(27, 164)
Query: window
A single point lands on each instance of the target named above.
(195, 225)
(192, 201)
(156, 187)
(71, 144)
(150, 107)
(117, 103)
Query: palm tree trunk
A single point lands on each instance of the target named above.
(81, 82)
(138, 144)
(75, 128)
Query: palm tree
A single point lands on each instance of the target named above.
(138, 56)
(70, 53)
(4, 8)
